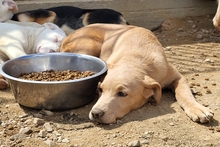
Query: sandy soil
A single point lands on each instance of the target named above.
(192, 45)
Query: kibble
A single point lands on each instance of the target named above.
(56, 75)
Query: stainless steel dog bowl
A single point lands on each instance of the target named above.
(53, 95)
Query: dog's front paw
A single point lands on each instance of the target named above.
(199, 113)
(3, 83)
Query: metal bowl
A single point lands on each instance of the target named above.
(53, 95)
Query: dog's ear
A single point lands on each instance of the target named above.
(151, 87)
(11, 5)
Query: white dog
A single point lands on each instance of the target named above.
(7, 9)
(22, 38)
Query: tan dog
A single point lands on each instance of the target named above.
(137, 70)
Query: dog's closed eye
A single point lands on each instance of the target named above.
(122, 94)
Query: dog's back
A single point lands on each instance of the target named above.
(70, 18)
(118, 43)
(90, 39)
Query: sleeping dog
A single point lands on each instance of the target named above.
(22, 38)
(137, 70)
(71, 18)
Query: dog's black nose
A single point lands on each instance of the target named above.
(97, 113)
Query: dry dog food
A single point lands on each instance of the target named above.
(55, 75)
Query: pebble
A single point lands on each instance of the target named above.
(38, 115)
(135, 143)
(144, 142)
(59, 139)
(146, 135)
(190, 21)
(168, 48)
(194, 26)
(196, 74)
(192, 83)
(213, 83)
(38, 121)
(56, 133)
(164, 137)
(42, 133)
(65, 140)
(207, 79)
(205, 87)
(205, 31)
(217, 129)
(26, 130)
(192, 78)
(209, 61)
(18, 137)
(50, 143)
(199, 36)
(46, 112)
(208, 91)
(194, 90)
(48, 127)
(171, 124)
(23, 116)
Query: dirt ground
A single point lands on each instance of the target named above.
(192, 45)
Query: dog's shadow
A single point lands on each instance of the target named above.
(149, 111)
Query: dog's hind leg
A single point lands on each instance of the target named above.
(39, 16)
(12, 50)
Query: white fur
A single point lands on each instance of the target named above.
(7, 9)
(50, 39)
(21, 38)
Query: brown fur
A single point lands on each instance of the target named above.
(40, 20)
(137, 70)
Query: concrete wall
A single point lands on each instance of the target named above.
(145, 13)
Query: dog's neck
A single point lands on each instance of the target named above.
(32, 34)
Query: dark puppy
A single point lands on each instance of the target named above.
(71, 18)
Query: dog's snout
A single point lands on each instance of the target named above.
(97, 113)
